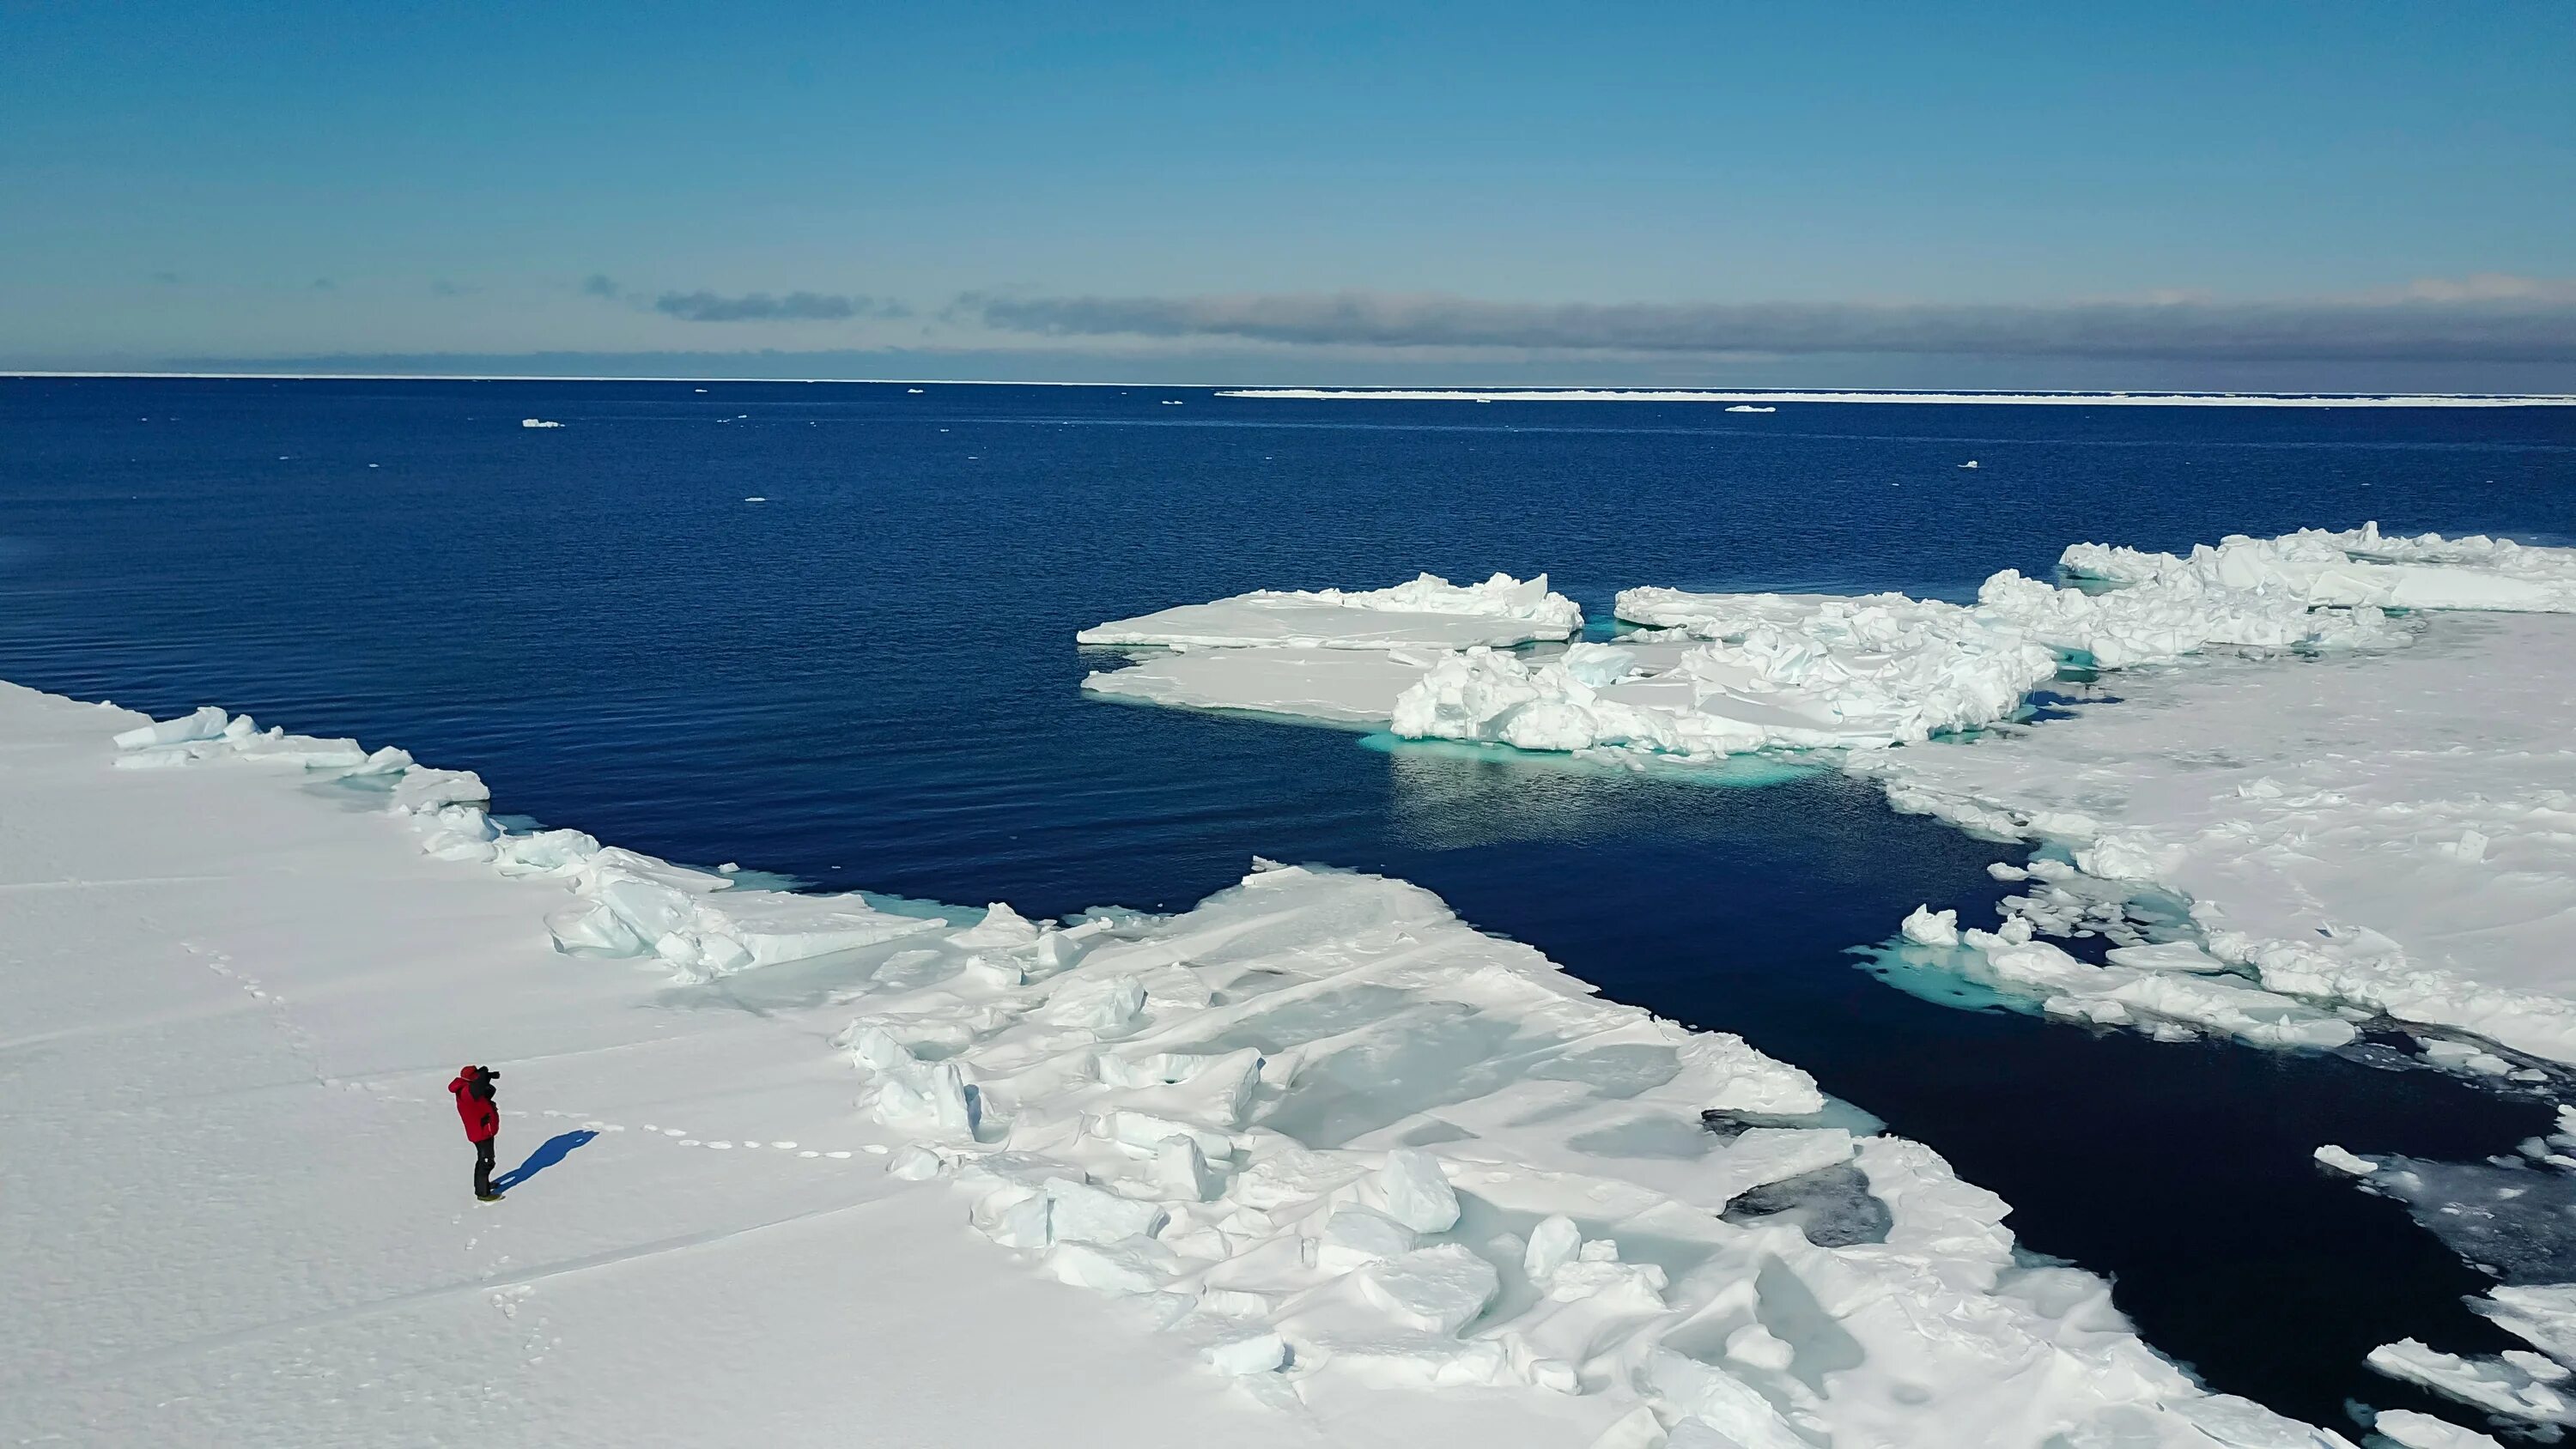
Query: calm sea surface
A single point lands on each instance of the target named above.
(869, 680)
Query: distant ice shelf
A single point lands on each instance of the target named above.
(2025, 399)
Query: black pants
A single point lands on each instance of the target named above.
(483, 1168)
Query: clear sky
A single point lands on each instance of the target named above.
(2178, 194)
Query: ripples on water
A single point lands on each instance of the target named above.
(869, 680)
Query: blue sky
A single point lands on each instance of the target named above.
(2269, 194)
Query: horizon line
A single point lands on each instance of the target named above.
(2128, 397)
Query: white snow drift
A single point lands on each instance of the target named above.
(1357, 1153)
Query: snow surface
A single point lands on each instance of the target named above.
(1372, 1174)
(2393, 832)
(1427, 612)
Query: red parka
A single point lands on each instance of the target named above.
(474, 1105)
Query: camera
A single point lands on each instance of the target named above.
(491, 1074)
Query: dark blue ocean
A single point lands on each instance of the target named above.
(869, 680)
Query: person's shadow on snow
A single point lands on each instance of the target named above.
(553, 1150)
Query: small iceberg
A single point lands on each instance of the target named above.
(1969, 464)
(537, 423)
(757, 498)
(1750, 408)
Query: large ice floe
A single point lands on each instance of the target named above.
(1427, 612)
(2359, 836)
(1347, 1146)
(2290, 836)
(1719, 674)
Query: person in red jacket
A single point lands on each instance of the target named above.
(473, 1092)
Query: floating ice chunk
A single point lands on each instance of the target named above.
(537, 423)
(1417, 1193)
(2543, 1315)
(2497, 1385)
(2345, 1162)
(2463, 1056)
(1924, 927)
(2412, 1430)
(1429, 611)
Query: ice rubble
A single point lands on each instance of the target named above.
(1342, 1141)
(2359, 566)
(1427, 612)
(1338, 1137)
(1722, 674)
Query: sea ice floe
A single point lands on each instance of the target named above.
(1337, 686)
(1428, 612)
(2410, 1430)
(2383, 835)
(1336, 1137)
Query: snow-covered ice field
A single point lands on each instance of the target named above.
(1313, 1163)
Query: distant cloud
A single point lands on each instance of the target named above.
(441, 287)
(762, 307)
(325, 284)
(600, 285)
(167, 279)
(2486, 318)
